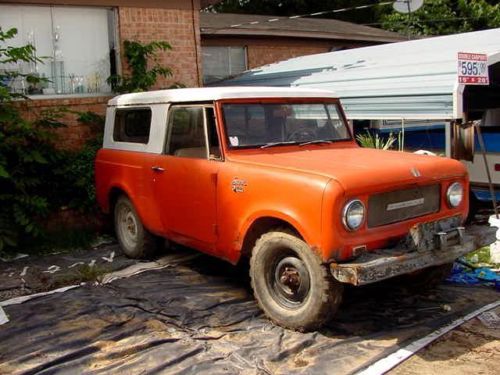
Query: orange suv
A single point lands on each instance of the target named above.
(274, 175)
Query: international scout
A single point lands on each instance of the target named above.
(274, 175)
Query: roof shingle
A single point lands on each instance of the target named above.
(313, 28)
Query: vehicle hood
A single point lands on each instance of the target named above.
(359, 169)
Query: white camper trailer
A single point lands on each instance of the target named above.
(412, 87)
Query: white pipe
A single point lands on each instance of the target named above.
(3, 317)
(394, 359)
(447, 139)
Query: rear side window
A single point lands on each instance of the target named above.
(132, 125)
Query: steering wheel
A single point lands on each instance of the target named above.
(302, 134)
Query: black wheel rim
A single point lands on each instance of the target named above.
(289, 280)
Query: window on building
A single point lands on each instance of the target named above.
(223, 62)
(132, 125)
(76, 44)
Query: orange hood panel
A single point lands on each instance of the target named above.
(354, 168)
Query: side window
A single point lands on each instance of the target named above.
(132, 125)
(187, 133)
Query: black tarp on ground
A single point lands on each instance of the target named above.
(36, 274)
(200, 317)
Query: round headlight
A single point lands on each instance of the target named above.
(455, 194)
(353, 214)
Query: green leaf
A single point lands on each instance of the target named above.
(10, 241)
(3, 172)
(37, 156)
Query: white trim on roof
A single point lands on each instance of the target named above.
(215, 93)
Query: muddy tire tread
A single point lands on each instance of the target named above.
(331, 293)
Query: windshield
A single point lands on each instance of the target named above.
(265, 125)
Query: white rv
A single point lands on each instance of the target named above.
(410, 87)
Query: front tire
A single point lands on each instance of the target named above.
(290, 284)
(135, 241)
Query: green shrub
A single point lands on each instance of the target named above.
(375, 141)
(28, 174)
(37, 178)
(77, 172)
(145, 68)
(27, 155)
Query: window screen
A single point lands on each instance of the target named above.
(132, 125)
(222, 62)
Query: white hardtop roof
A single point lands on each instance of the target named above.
(216, 93)
(413, 79)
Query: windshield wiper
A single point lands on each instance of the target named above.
(272, 144)
(315, 141)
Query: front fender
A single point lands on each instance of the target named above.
(293, 221)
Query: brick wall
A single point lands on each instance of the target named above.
(267, 50)
(174, 26)
(259, 55)
(75, 134)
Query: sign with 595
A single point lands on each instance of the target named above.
(473, 68)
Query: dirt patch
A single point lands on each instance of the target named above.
(469, 349)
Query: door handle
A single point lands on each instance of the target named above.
(157, 169)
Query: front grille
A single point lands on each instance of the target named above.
(400, 205)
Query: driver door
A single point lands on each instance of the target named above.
(185, 181)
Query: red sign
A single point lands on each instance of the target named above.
(473, 68)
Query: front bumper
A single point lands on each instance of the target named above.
(431, 246)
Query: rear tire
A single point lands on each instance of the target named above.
(135, 241)
(290, 283)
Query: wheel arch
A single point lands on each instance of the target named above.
(257, 226)
(149, 219)
(114, 193)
